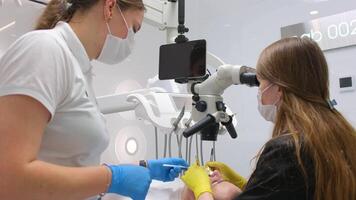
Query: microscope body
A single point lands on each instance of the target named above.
(209, 110)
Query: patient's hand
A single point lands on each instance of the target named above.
(222, 190)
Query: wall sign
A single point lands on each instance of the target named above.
(330, 32)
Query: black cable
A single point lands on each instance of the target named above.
(170, 145)
(39, 2)
(165, 146)
(196, 148)
(190, 149)
(214, 146)
(186, 149)
(179, 147)
(201, 151)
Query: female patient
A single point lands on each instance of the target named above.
(312, 151)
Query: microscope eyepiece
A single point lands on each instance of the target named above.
(250, 79)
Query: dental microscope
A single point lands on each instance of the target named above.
(185, 62)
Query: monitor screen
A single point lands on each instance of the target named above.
(182, 60)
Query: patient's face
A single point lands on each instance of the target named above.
(222, 190)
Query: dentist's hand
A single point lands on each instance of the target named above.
(130, 180)
(228, 174)
(197, 179)
(161, 173)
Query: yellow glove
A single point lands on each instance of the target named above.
(197, 179)
(228, 174)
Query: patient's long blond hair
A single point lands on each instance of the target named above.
(299, 68)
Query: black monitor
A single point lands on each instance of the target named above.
(182, 60)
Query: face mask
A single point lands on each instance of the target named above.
(116, 49)
(268, 112)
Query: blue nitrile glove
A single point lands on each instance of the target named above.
(161, 173)
(130, 180)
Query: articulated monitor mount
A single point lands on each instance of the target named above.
(182, 29)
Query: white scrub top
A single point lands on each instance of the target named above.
(52, 67)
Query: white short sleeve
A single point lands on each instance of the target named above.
(35, 66)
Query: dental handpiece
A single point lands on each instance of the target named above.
(177, 166)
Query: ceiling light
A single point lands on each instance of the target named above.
(131, 146)
(314, 12)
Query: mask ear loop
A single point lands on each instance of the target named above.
(276, 101)
(122, 15)
(107, 25)
(279, 99)
(268, 87)
(264, 90)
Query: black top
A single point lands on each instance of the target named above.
(278, 174)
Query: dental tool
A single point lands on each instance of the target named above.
(176, 166)
(156, 141)
(201, 150)
(188, 142)
(209, 171)
(212, 155)
(174, 130)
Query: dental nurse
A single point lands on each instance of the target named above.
(52, 132)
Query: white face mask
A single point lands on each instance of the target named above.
(269, 112)
(116, 49)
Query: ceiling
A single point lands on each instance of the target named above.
(26, 15)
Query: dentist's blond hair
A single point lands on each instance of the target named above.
(64, 10)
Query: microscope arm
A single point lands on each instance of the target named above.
(226, 76)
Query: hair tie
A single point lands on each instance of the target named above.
(69, 4)
(332, 104)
